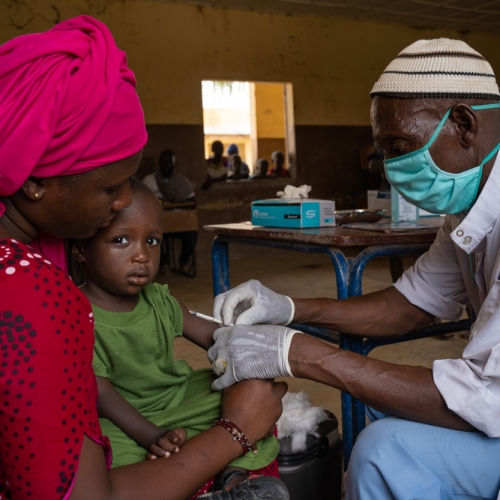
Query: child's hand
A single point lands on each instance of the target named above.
(169, 443)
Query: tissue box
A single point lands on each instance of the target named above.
(293, 213)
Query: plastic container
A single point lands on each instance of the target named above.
(401, 209)
(316, 473)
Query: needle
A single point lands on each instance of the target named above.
(209, 318)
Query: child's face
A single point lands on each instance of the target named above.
(124, 257)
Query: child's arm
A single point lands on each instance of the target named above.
(114, 407)
(198, 331)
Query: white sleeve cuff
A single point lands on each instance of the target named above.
(286, 350)
(292, 314)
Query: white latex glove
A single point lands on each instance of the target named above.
(252, 303)
(246, 352)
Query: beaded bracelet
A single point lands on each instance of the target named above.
(236, 432)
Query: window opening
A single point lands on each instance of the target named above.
(257, 117)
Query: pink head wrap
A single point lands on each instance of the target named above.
(67, 104)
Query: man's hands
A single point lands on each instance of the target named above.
(254, 406)
(247, 352)
(169, 443)
(252, 303)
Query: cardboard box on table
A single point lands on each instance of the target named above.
(295, 213)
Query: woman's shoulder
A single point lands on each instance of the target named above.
(25, 272)
(18, 259)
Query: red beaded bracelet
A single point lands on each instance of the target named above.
(236, 432)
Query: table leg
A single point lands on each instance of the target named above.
(220, 266)
(342, 271)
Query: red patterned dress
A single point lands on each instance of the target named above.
(49, 392)
(48, 387)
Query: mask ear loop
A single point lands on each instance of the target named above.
(447, 114)
(436, 132)
(486, 106)
(423, 148)
(491, 154)
(497, 147)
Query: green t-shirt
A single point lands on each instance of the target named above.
(134, 350)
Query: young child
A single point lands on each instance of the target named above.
(148, 401)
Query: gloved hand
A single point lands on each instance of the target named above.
(252, 303)
(247, 352)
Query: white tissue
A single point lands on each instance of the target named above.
(292, 192)
(299, 418)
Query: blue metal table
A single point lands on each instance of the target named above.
(349, 272)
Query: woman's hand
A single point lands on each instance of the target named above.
(254, 406)
(252, 303)
(169, 443)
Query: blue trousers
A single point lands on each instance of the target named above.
(402, 460)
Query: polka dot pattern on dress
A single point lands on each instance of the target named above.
(49, 392)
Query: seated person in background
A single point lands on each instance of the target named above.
(217, 166)
(148, 403)
(376, 166)
(231, 151)
(170, 186)
(278, 169)
(236, 169)
(166, 183)
(260, 171)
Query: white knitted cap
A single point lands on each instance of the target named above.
(438, 68)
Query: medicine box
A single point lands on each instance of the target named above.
(293, 213)
(402, 210)
(379, 200)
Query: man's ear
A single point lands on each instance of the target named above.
(34, 188)
(77, 251)
(465, 118)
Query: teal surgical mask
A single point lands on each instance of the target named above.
(421, 182)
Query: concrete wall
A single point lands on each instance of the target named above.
(331, 63)
(269, 104)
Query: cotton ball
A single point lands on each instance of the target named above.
(299, 418)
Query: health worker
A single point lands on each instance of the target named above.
(435, 113)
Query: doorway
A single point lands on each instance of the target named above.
(257, 117)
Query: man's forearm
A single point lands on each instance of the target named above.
(379, 314)
(402, 391)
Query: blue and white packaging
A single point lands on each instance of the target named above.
(294, 213)
(402, 210)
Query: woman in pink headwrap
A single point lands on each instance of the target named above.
(71, 135)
